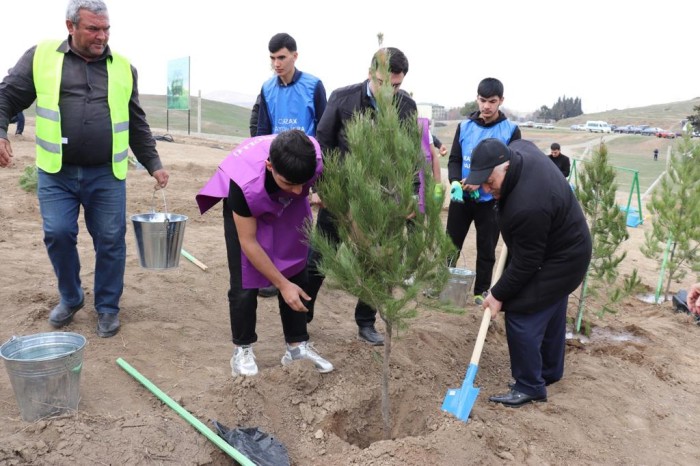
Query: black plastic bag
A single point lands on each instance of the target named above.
(680, 304)
(258, 446)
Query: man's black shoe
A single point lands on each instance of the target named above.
(63, 315)
(107, 325)
(268, 292)
(516, 399)
(511, 385)
(370, 335)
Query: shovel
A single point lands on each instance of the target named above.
(459, 401)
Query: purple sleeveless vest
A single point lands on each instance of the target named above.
(280, 216)
(425, 144)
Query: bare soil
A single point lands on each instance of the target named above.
(629, 394)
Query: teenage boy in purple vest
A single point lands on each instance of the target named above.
(265, 185)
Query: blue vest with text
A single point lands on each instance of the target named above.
(292, 107)
(470, 134)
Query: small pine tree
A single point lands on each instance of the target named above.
(596, 192)
(675, 206)
(370, 192)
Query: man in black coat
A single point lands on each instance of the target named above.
(560, 160)
(549, 248)
(343, 104)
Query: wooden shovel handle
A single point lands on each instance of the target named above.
(481, 336)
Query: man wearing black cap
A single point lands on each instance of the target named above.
(549, 248)
(560, 160)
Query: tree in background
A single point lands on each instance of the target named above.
(370, 192)
(695, 118)
(675, 205)
(596, 191)
(469, 108)
(565, 107)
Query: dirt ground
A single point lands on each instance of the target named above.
(629, 394)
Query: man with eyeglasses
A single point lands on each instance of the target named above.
(342, 105)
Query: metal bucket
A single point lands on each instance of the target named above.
(44, 370)
(159, 238)
(458, 287)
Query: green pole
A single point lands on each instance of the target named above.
(196, 423)
(663, 272)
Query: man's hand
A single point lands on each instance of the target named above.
(161, 177)
(5, 153)
(493, 304)
(694, 299)
(315, 200)
(443, 150)
(293, 295)
(456, 193)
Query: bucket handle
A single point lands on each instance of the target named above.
(153, 202)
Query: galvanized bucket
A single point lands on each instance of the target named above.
(44, 370)
(458, 287)
(159, 237)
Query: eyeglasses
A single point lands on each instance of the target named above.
(396, 86)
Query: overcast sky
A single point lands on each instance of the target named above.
(610, 53)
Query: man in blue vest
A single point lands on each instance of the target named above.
(469, 203)
(289, 100)
(85, 124)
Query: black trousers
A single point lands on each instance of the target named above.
(243, 303)
(536, 344)
(365, 316)
(459, 218)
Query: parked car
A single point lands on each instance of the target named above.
(597, 127)
(626, 129)
(548, 126)
(650, 131)
(665, 133)
(576, 127)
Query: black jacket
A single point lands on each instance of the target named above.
(563, 164)
(342, 104)
(549, 244)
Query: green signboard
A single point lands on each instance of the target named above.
(179, 84)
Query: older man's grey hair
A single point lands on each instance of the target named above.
(97, 7)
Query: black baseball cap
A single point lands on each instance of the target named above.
(488, 154)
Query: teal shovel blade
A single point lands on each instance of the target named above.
(460, 401)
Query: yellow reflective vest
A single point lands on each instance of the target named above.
(47, 66)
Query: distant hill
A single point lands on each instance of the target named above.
(667, 116)
(217, 117)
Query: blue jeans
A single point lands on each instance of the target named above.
(19, 119)
(103, 198)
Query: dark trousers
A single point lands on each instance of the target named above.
(536, 344)
(459, 218)
(243, 303)
(19, 119)
(365, 316)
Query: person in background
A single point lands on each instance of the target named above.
(442, 149)
(253, 123)
(560, 160)
(694, 299)
(265, 185)
(342, 105)
(19, 119)
(549, 249)
(475, 205)
(291, 99)
(656, 155)
(86, 122)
